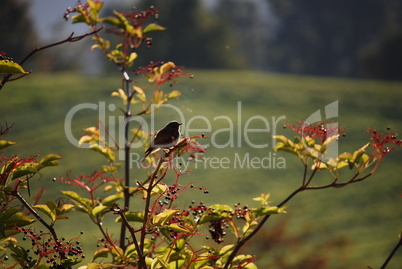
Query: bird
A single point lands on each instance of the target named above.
(166, 138)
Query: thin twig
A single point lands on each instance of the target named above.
(394, 250)
(303, 187)
(71, 38)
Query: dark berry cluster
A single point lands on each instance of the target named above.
(53, 250)
(74, 9)
(216, 229)
(138, 17)
(241, 212)
(197, 210)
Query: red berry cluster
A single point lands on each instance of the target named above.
(318, 130)
(385, 143)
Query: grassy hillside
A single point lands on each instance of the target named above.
(369, 214)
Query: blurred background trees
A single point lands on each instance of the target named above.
(360, 38)
(17, 34)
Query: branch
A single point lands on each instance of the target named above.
(394, 250)
(71, 38)
(303, 187)
(41, 220)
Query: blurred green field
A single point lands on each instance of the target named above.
(367, 213)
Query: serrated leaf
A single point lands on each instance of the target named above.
(10, 67)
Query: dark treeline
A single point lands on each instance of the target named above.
(360, 38)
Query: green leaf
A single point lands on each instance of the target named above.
(79, 19)
(268, 210)
(166, 67)
(357, 155)
(217, 212)
(133, 216)
(5, 143)
(159, 260)
(140, 94)
(83, 203)
(9, 219)
(112, 198)
(163, 217)
(95, 5)
(158, 97)
(328, 143)
(131, 59)
(101, 253)
(226, 250)
(152, 27)
(70, 262)
(99, 210)
(50, 160)
(105, 151)
(130, 251)
(48, 211)
(158, 189)
(177, 228)
(125, 24)
(173, 94)
(202, 260)
(24, 171)
(10, 67)
(111, 20)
